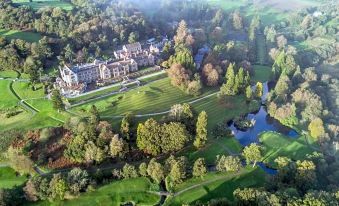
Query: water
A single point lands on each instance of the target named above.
(263, 122)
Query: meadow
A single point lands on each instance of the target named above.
(116, 193)
(24, 35)
(38, 4)
(215, 185)
(277, 145)
(9, 178)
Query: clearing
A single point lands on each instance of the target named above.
(276, 144)
(24, 35)
(137, 191)
(216, 185)
(38, 4)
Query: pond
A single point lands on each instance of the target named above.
(263, 122)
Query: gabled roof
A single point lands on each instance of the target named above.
(133, 46)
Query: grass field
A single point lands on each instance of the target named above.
(24, 35)
(216, 185)
(8, 74)
(157, 96)
(262, 73)
(115, 194)
(276, 144)
(7, 99)
(38, 4)
(213, 148)
(9, 179)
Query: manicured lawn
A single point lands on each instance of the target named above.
(9, 179)
(15, 34)
(25, 91)
(38, 4)
(7, 99)
(262, 73)
(216, 185)
(276, 144)
(157, 96)
(224, 110)
(8, 74)
(213, 148)
(116, 194)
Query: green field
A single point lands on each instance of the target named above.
(216, 185)
(115, 194)
(45, 117)
(7, 99)
(38, 4)
(276, 144)
(157, 96)
(262, 73)
(9, 179)
(24, 35)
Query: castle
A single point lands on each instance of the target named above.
(74, 79)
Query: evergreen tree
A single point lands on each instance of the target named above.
(57, 100)
(228, 87)
(248, 93)
(95, 117)
(201, 130)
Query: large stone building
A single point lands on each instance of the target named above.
(127, 60)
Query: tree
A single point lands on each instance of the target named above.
(95, 116)
(228, 88)
(118, 147)
(182, 36)
(194, 87)
(69, 54)
(143, 169)
(237, 20)
(19, 162)
(93, 153)
(78, 180)
(201, 130)
(252, 154)
(125, 126)
(58, 187)
(306, 175)
(259, 89)
(57, 100)
(316, 128)
(155, 171)
(228, 163)
(149, 137)
(281, 41)
(248, 93)
(199, 168)
(178, 171)
(210, 75)
(179, 75)
(133, 37)
(282, 85)
(129, 171)
(174, 137)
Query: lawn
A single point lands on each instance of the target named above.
(224, 110)
(213, 148)
(115, 194)
(38, 4)
(24, 35)
(9, 178)
(216, 185)
(262, 73)
(276, 144)
(157, 96)
(7, 98)
(8, 74)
